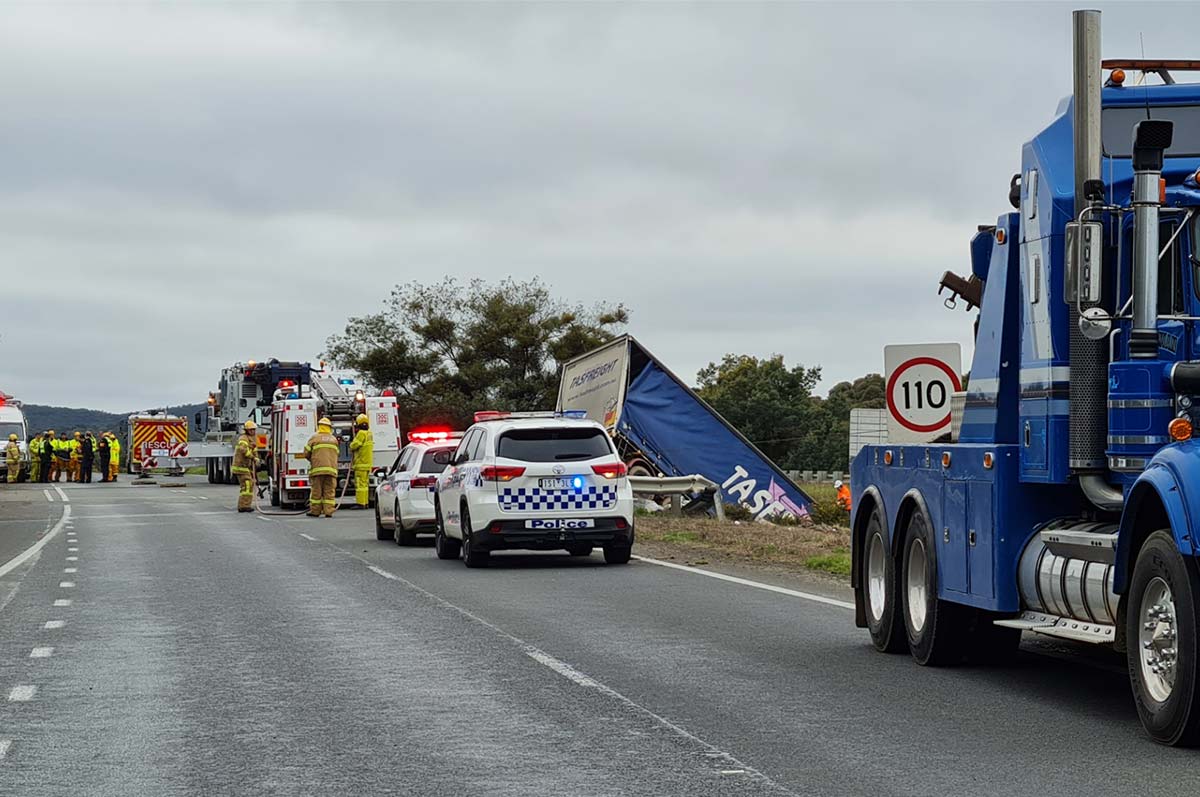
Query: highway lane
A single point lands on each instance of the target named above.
(206, 652)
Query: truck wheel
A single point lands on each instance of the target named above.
(471, 554)
(1160, 625)
(878, 580)
(936, 629)
(443, 546)
(274, 496)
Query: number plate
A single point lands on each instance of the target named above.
(561, 523)
(554, 484)
(160, 452)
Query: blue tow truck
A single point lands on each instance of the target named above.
(1066, 504)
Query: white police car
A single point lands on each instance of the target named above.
(404, 498)
(542, 481)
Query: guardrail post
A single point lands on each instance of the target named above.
(677, 505)
(719, 505)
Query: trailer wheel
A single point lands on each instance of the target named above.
(1160, 625)
(879, 589)
(937, 630)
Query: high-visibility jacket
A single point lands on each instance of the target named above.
(362, 449)
(35, 448)
(74, 446)
(322, 454)
(245, 455)
(843, 498)
(12, 454)
(114, 451)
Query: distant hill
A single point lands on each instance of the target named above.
(41, 417)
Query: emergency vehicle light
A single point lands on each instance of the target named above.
(440, 434)
(286, 383)
(345, 381)
(490, 415)
(574, 414)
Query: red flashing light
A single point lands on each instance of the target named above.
(286, 383)
(302, 483)
(388, 392)
(500, 473)
(432, 434)
(490, 415)
(613, 471)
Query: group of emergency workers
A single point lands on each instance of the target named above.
(77, 457)
(321, 451)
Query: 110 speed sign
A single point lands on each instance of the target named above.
(920, 381)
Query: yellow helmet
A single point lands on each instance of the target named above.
(362, 418)
(250, 426)
(328, 424)
(12, 437)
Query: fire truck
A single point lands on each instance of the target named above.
(295, 410)
(155, 439)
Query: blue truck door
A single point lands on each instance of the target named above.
(952, 537)
(979, 539)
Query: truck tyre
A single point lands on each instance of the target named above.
(936, 630)
(471, 553)
(274, 496)
(443, 546)
(878, 578)
(1160, 625)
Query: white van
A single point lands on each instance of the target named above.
(12, 421)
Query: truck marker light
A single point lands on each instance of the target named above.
(1117, 76)
(1180, 429)
(987, 460)
(945, 459)
(887, 457)
(1000, 236)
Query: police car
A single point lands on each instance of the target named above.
(542, 481)
(404, 498)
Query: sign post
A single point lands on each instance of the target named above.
(920, 381)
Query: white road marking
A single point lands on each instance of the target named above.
(745, 582)
(583, 680)
(136, 515)
(21, 694)
(305, 536)
(72, 558)
(5, 746)
(70, 570)
(66, 584)
(32, 550)
(41, 653)
(203, 497)
(61, 494)
(72, 549)
(63, 602)
(50, 625)
(47, 494)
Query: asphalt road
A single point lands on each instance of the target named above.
(159, 643)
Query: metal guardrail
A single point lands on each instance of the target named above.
(677, 487)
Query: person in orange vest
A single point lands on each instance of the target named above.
(843, 495)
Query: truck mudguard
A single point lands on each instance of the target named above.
(1173, 475)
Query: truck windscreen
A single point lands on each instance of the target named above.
(10, 427)
(1116, 129)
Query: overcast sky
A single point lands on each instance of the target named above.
(182, 187)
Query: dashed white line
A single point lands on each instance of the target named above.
(66, 584)
(41, 653)
(745, 582)
(5, 746)
(31, 551)
(61, 494)
(305, 536)
(70, 570)
(72, 549)
(48, 496)
(72, 558)
(22, 693)
(579, 678)
(136, 515)
(50, 625)
(62, 602)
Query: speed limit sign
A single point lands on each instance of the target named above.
(920, 381)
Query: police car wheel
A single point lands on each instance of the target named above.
(471, 554)
(617, 555)
(443, 546)
(380, 532)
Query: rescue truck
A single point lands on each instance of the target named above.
(293, 420)
(155, 439)
(1065, 507)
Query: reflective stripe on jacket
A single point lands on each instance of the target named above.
(114, 451)
(322, 453)
(244, 455)
(12, 454)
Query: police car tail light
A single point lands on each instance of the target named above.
(611, 471)
(500, 473)
(424, 481)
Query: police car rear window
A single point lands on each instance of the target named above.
(553, 445)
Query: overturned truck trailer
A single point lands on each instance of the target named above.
(662, 427)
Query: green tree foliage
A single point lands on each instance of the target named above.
(448, 349)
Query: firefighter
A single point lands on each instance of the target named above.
(76, 445)
(245, 461)
(87, 457)
(35, 458)
(322, 455)
(114, 456)
(843, 495)
(62, 458)
(12, 459)
(362, 450)
(102, 455)
(48, 467)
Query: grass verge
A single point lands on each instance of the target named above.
(818, 547)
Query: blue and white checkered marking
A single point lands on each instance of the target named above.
(535, 499)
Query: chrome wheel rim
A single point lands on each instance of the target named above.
(916, 576)
(876, 578)
(1157, 629)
